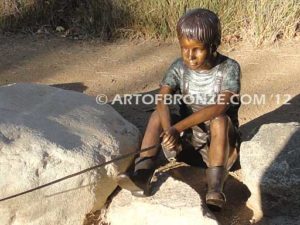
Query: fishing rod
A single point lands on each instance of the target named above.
(80, 172)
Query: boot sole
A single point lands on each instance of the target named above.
(215, 204)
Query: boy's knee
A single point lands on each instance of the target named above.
(223, 118)
(219, 124)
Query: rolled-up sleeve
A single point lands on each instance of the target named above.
(172, 76)
(232, 78)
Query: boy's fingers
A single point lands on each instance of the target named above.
(166, 147)
(171, 140)
(170, 144)
(162, 134)
(166, 144)
(170, 147)
(166, 138)
(164, 141)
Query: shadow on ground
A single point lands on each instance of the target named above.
(138, 114)
(235, 211)
(78, 86)
(290, 112)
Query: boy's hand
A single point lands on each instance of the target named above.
(170, 139)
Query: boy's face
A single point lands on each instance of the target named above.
(194, 53)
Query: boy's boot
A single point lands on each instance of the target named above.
(138, 182)
(216, 176)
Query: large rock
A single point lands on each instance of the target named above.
(176, 201)
(47, 133)
(271, 169)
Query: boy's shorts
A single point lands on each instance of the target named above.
(195, 143)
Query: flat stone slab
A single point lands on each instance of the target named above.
(174, 202)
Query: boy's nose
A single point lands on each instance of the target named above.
(191, 55)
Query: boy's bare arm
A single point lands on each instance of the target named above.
(163, 109)
(169, 132)
(205, 114)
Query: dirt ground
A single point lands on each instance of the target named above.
(94, 68)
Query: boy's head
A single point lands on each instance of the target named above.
(202, 25)
(199, 34)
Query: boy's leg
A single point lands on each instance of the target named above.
(152, 135)
(221, 156)
(222, 150)
(138, 182)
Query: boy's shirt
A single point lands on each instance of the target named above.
(200, 88)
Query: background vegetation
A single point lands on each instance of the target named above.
(258, 21)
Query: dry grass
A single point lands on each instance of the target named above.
(258, 21)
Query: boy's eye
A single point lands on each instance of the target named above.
(199, 49)
(194, 50)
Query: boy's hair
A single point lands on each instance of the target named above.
(202, 25)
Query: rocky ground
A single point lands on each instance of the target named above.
(94, 68)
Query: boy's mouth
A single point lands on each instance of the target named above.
(192, 64)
